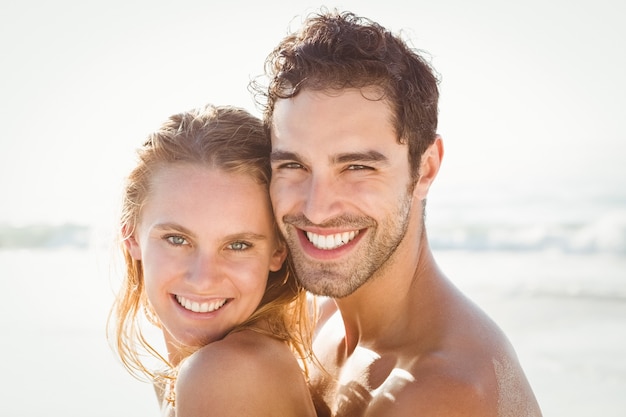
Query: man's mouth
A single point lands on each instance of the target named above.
(329, 242)
(197, 307)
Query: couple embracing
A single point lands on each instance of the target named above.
(286, 259)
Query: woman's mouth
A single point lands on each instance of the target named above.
(205, 307)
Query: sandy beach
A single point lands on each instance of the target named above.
(566, 318)
(565, 315)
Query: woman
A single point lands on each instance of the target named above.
(206, 264)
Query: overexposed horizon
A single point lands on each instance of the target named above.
(532, 95)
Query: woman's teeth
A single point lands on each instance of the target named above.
(197, 307)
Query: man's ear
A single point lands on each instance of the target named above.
(429, 167)
(131, 244)
(278, 257)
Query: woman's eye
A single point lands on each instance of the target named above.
(239, 246)
(176, 240)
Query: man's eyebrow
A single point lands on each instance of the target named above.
(342, 158)
(369, 156)
(283, 156)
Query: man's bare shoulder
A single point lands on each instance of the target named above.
(438, 387)
(470, 370)
(447, 357)
(434, 387)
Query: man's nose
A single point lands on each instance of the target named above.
(322, 199)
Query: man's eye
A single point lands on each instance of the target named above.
(358, 167)
(238, 246)
(176, 240)
(291, 165)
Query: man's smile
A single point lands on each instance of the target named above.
(332, 241)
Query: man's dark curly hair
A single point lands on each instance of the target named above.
(334, 50)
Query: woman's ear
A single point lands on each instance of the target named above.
(130, 242)
(278, 257)
(429, 167)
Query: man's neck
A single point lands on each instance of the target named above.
(379, 314)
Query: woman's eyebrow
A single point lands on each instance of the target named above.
(172, 226)
(247, 236)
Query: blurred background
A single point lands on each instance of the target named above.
(528, 214)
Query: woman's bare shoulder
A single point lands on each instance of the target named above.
(240, 374)
(240, 357)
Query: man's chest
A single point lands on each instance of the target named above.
(348, 384)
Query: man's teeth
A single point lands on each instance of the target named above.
(328, 242)
(197, 307)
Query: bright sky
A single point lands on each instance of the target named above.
(531, 91)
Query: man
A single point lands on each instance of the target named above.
(352, 113)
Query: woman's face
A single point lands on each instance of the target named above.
(206, 243)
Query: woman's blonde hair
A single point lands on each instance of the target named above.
(234, 141)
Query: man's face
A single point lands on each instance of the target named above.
(340, 187)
